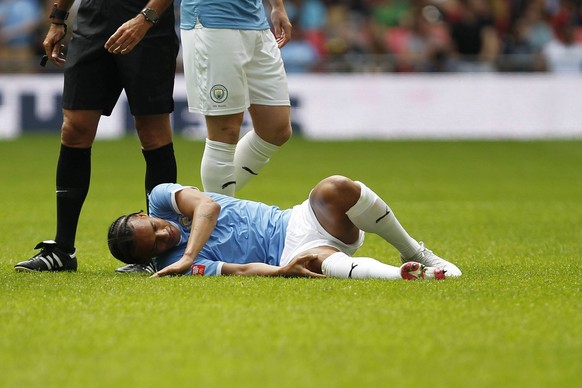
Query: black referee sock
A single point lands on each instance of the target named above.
(160, 167)
(73, 178)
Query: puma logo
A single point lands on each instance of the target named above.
(354, 265)
(224, 186)
(249, 171)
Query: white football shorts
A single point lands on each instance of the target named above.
(305, 232)
(228, 70)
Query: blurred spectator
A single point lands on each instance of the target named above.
(391, 13)
(299, 56)
(312, 18)
(372, 35)
(429, 45)
(539, 31)
(475, 40)
(312, 14)
(563, 54)
(565, 13)
(352, 41)
(19, 24)
(519, 53)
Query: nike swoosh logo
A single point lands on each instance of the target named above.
(380, 219)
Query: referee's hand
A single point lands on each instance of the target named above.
(52, 45)
(128, 35)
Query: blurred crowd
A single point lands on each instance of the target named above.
(379, 35)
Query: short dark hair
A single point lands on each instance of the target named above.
(121, 241)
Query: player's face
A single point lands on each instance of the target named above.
(153, 236)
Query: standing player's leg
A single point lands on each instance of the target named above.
(214, 61)
(272, 129)
(217, 165)
(270, 108)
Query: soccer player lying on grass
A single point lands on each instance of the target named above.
(191, 232)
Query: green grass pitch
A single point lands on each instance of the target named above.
(508, 213)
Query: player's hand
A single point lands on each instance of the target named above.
(298, 267)
(178, 268)
(128, 35)
(282, 26)
(52, 44)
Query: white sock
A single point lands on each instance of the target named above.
(217, 167)
(339, 265)
(372, 214)
(252, 154)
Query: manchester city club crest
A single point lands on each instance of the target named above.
(218, 93)
(185, 222)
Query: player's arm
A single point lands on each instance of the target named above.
(281, 23)
(203, 211)
(130, 33)
(296, 268)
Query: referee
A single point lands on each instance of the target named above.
(128, 45)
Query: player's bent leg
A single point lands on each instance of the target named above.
(413, 271)
(428, 258)
(330, 199)
(372, 214)
(339, 265)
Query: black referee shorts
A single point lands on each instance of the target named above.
(94, 78)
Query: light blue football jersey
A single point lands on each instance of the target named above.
(229, 14)
(245, 231)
